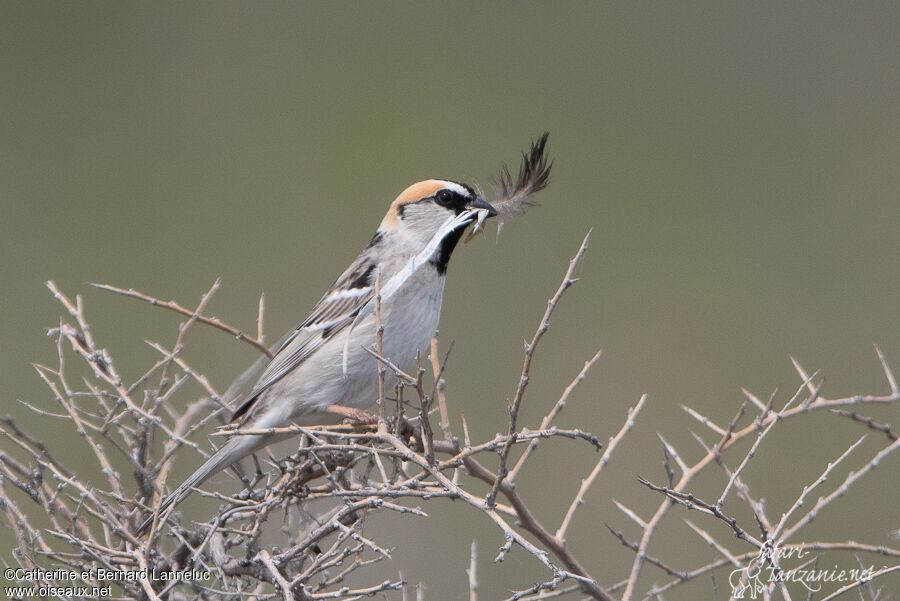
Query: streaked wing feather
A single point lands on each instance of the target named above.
(330, 311)
(331, 315)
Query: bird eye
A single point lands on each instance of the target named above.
(444, 197)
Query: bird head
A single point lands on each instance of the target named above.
(426, 205)
(433, 208)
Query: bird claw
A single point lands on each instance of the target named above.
(353, 415)
(359, 417)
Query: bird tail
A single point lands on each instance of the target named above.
(232, 451)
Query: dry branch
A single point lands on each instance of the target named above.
(134, 428)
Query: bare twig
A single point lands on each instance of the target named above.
(530, 347)
(888, 373)
(362, 471)
(761, 436)
(601, 463)
(808, 489)
(182, 332)
(438, 370)
(553, 413)
(277, 577)
(657, 562)
(868, 422)
(260, 315)
(862, 581)
(851, 478)
(379, 348)
(173, 306)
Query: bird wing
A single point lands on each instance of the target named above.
(331, 315)
(350, 299)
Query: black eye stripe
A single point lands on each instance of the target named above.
(445, 197)
(451, 199)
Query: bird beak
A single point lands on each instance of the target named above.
(488, 211)
(479, 203)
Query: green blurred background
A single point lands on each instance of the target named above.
(738, 164)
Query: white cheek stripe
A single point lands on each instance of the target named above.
(455, 187)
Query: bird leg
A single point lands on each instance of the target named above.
(364, 418)
(357, 416)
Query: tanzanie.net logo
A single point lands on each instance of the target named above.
(768, 568)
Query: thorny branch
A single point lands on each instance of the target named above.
(196, 316)
(530, 348)
(315, 502)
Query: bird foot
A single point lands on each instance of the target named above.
(364, 418)
(354, 415)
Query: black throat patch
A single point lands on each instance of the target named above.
(441, 257)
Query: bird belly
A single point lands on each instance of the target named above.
(410, 318)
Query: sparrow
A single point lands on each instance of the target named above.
(322, 373)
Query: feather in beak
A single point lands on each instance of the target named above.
(481, 217)
(513, 197)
